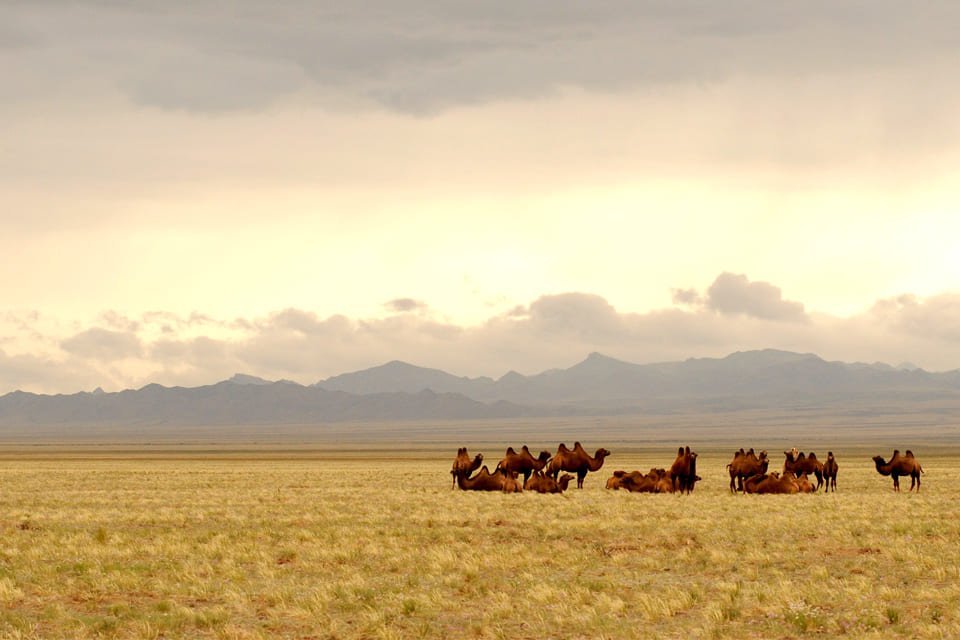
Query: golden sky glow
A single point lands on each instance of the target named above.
(626, 154)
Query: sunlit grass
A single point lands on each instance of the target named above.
(363, 548)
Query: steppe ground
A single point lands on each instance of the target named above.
(328, 537)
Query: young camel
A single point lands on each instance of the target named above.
(905, 465)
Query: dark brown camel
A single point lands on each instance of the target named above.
(830, 473)
(542, 483)
(683, 471)
(486, 481)
(523, 462)
(463, 464)
(745, 465)
(576, 461)
(798, 463)
(905, 465)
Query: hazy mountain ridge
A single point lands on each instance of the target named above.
(597, 385)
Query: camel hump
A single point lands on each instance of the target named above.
(525, 449)
(680, 451)
(510, 451)
(909, 453)
(812, 456)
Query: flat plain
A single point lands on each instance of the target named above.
(326, 540)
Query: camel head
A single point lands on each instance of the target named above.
(544, 456)
(763, 454)
(879, 460)
(601, 453)
(563, 481)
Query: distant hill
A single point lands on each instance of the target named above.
(597, 385)
(744, 379)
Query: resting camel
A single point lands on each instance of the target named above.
(804, 485)
(830, 473)
(905, 465)
(771, 483)
(463, 464)
(486, 481)
(634, 481)
(542, 483)
(745, 465)
(797, 463)
(683, 472)
(576, 461)
(523, 462)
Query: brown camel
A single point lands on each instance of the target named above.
(804, 484)
(771, 483)
(542, 483)
(683, 471)
(523, 462)
(636, 482)
(905, 465)
(830, 473)
(797, 463)
(745, 465)
(463, 464)
(486, 481)
(576, 461)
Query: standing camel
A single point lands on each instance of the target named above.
(798, 464)
(905, 465)
(830, 473)
(683, 472)
(523, 462)
(745, 465)
(463, 464)
(576, 461)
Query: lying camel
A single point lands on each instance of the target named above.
(830, 473)
(905, 465)
(804, 485)
(576, 461)
(745, 465)
(797, 463)
(634, 481)
(771, 483)
(463, 464)
(523, 462)
(542, 483)
(486, 481)
(683, 471)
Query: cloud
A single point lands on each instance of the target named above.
(103, 344)
(686, 297)
(416, 57)
(734, 294)
(403, 305)
(552, 331)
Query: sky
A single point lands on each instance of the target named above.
(194, 189)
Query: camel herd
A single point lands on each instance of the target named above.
(748, 472)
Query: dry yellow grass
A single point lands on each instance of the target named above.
(365, 547)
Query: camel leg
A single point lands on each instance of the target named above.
(896, 483)
(581, 474)
(526, 476)
(732, 488)
(819, 475)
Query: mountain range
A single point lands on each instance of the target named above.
(598, 385)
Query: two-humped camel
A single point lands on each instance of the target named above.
(905, 465)
(523, 462)
(744, 465)
(576, 461)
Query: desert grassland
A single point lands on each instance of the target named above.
(370, 545)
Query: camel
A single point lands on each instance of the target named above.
(772, 483)
(804, 485)
(830, 473)
(745, 465)
(486, 481)
(463, 464)
(576, 461)
(905, 465)
(683, 472)
(523, 462)
(542, 483)
(797, 463)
